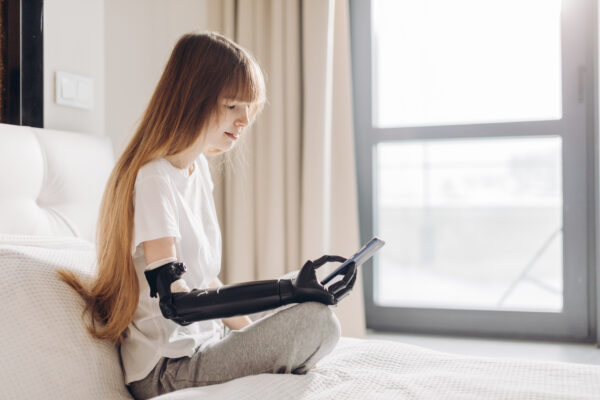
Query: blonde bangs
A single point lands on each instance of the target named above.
(247, 85)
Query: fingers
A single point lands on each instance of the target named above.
(307, 270)
(350, 285)
(327, 259)
(307, 278)
(350, 275)
(345, 284)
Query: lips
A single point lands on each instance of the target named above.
(233, 136)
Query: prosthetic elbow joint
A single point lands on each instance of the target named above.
(159, 280)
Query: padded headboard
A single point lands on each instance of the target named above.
(51, 182)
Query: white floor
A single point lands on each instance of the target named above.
(583, 353)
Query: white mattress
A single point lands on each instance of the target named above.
(368, 369)
(47, 352)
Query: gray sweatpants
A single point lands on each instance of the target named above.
(290, 341)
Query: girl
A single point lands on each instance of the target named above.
(158, 208)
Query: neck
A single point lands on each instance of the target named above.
(185, 159)
(179, 162)
(182, 161)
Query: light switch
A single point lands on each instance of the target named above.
(74, 90)
(84, 92)
(68, 89)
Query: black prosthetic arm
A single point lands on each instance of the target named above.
(244, 298)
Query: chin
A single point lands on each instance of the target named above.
(219, 150)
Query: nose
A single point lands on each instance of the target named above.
(243, 117)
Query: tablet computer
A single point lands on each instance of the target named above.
(358, 258)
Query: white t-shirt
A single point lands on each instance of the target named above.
(167, 203)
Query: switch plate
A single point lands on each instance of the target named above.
(74, 90)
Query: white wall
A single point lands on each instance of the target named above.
(140, 35)
(74, 42)
(123, 46)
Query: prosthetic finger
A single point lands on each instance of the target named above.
(345, 292)
(343, 287)
(327, 259)
(309, 288)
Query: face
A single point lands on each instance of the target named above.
(223, 132)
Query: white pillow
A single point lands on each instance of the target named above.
(45, 349)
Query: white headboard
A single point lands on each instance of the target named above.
(51, 182)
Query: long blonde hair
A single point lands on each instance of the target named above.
(202, 68)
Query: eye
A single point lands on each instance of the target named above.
(231, 107)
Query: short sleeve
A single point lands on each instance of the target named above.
(155, 213)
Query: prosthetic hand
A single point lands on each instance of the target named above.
(244, 298)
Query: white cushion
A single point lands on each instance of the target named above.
(51, 181)
(45, 348)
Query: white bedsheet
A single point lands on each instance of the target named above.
(47, 352)
(368, 369)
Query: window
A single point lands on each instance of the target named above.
(472, 132)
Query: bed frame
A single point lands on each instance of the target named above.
(52, 181)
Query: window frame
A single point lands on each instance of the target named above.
(577, 322)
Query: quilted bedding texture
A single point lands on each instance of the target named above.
(369, 369)
(47, 352)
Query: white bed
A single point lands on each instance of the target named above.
(51, 185)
